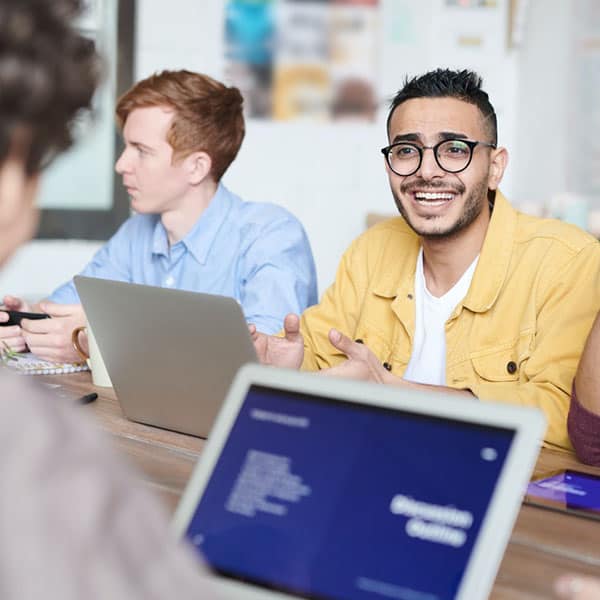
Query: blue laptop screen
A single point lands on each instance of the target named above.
(327, 499)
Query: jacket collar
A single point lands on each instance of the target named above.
(491, 269)
(404, 265)
(494, 258)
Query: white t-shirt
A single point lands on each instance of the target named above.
(427, 362)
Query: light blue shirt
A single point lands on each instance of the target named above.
(254, 252)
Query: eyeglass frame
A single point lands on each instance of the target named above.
(421, 149)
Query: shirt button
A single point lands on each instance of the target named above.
(170, 281)
(511, 367)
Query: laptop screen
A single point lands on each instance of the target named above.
(328, 499)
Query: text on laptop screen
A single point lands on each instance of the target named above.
(327, 499)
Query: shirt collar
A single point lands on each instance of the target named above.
(160, 240)
(405, 262)
(200, 239)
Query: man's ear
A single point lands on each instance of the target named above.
(198, 166)
(498, 163)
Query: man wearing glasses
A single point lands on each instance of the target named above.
(463, 293)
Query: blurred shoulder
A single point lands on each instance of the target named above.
(260, 214)
(563, 236)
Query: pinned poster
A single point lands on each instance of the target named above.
(249, 47)
(304, 59)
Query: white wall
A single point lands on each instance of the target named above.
(542, 81)
(332, 175)
(40, 266)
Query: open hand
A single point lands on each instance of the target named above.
(287, 351)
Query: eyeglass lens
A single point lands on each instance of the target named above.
(451, 155)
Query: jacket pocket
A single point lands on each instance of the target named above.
(376, 342)
(503, 362)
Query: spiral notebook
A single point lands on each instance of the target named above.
(28, 363)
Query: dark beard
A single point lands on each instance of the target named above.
(474, 204)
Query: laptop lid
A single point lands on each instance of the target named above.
(318, 487)
(171, 354)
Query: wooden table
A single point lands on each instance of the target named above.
(543, 544)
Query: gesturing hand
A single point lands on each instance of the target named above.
(361, 364)
(287, 351)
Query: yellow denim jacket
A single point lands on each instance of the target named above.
(518, 333)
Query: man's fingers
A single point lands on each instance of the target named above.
(13, 303)
(51, 338)
(344, 344)
(16, 343)
(575, 587)
(10, 332)
(47, 353)
(38, 326)
(37, 341)
(49, 348)
(59, 310)
(337, 371)
(291, 325)
(255, 335)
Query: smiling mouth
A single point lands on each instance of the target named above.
(433, 198)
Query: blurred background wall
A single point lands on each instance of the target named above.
(540, 63)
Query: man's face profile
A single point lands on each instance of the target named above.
(154, 183)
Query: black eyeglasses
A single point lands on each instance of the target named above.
(452, 156)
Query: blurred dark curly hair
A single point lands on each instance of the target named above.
(48, 73)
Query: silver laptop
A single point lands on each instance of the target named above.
(317, 487)
(171, 355)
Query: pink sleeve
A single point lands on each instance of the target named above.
(584, 431)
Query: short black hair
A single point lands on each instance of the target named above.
(48, 74)
(445, 83)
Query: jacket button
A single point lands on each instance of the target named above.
(511, 367)
(359, 341)
(387, 366)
